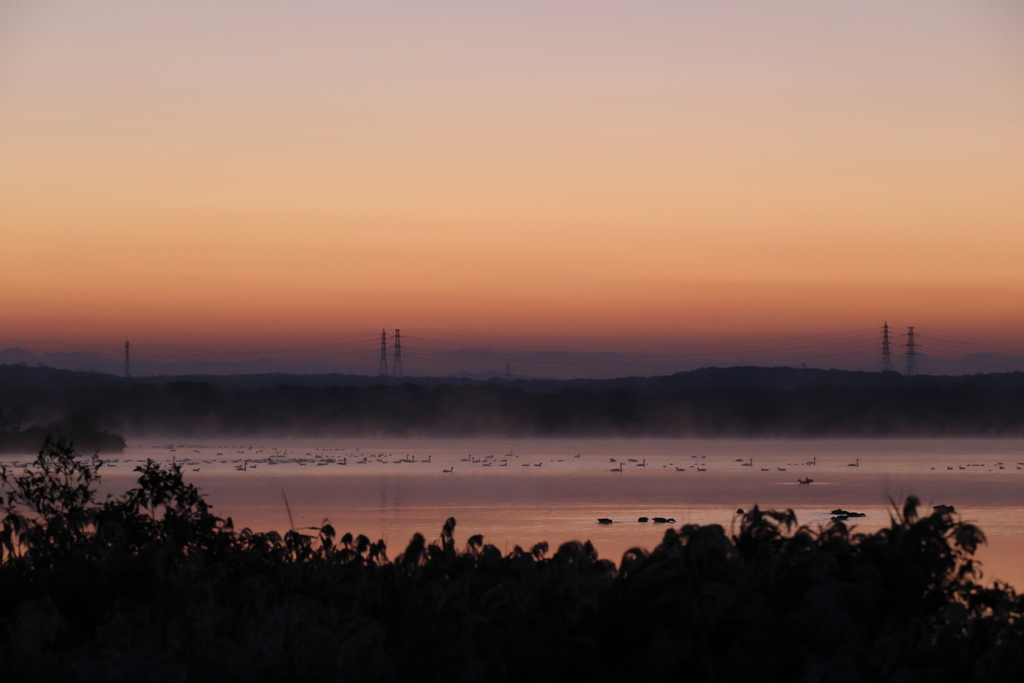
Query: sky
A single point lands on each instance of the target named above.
(677, 183)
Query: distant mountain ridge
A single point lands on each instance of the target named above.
(461, 363)
(755, 377)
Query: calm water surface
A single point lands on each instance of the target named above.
(519, 492)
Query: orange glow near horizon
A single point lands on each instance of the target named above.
(598, 176)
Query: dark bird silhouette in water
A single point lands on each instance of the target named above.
(604, 520)
(642, 520)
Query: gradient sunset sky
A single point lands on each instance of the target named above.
(660, 178)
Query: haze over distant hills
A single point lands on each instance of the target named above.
(710, 402)
(484, 364)
(17, 376)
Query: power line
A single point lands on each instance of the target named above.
(886, 360)
(736, 347)
(396, 367)
(383, 369)
(911, 353)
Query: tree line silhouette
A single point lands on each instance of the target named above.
(152, 586)
(82, 426)
(203, 408)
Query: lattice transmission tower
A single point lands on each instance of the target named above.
(396, 367)
(383, 371)
(886, 359)
(127, 361)
(911, 353)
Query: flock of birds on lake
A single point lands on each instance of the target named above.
(192, 458)
(326, 457)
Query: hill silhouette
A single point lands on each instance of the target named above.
(755, 377)
(746, 402)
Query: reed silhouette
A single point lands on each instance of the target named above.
(152, 586)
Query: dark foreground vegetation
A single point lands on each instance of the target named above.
(151, 586)
(201, 409)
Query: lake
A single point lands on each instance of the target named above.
(522, 491)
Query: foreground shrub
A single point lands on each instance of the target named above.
(152, 586)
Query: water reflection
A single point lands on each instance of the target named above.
(523, 491)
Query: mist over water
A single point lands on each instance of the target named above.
(523, 491)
